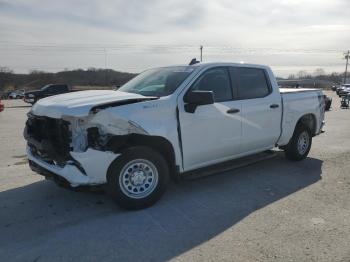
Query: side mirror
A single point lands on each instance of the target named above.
(197, 98)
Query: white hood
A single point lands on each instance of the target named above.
(79, 104)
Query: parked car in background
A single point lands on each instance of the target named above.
(49, 90)
(338, 89)
(17, 94)
(345, 90)
(342, 89)
(168, 122)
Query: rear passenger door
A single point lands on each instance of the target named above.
(56, 89)
(59, 89)
(261, 109)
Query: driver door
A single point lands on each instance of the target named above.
(212, 133)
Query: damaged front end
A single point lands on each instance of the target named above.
(76, 149)
(48, 138)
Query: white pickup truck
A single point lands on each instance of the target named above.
(166, 122)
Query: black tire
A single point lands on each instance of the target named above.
(117, 188)
(292, 150)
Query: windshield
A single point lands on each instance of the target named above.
(158, 82)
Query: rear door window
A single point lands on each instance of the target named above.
(58, 88)
(252, 83)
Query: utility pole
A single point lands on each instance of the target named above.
(104, 49)
(347, 55)
(201, 50)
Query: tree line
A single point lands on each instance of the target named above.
(37, 79)
(319, 74)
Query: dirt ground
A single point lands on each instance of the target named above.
(274, 210)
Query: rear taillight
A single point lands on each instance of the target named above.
(322, 102)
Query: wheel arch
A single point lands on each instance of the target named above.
(292, 149)
(308, 120)
(120, 143)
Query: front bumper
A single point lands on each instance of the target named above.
(92, 169)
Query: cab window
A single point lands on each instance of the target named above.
(252, 83)
(216, 80)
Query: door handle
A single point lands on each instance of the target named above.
(274, 106)
(232, 111)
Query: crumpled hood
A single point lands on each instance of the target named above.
(79, 104)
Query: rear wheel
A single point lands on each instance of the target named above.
(138, 178)
(300, 144)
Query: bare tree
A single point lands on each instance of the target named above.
(5, 69)
(302, 74)
(319, 72)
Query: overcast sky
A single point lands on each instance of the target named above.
(130, 35)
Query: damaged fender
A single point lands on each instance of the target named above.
(95, 163)
(95, 170)
(116, 125)
(106, 124)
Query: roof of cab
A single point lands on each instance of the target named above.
(201, 65)
(213, 64)
(241, 64)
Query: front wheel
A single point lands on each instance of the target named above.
(138, 178)
(300, 144)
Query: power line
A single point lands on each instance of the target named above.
(39, 47)
(52, 50)
(105, 66)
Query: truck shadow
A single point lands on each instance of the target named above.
(50, 223)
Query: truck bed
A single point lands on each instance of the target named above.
(297, 101)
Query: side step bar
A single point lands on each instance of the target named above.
(229, 165)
